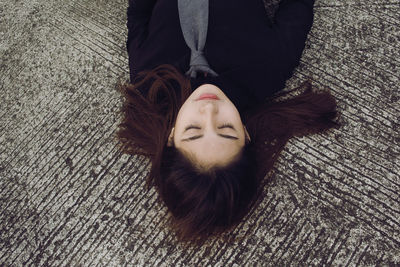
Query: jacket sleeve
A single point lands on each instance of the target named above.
(139, 13)
(293, 22)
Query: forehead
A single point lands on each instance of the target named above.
(206, 153)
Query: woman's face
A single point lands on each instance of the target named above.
(208, 128)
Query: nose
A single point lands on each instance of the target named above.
(209, 113)
(209, 108)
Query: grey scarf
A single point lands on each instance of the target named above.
(193, 15)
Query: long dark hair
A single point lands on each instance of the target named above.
(203, 203)
(207, 202)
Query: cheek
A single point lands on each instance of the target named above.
(181, 113)
(183, 117)
(232, 114)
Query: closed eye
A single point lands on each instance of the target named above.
(227, 125)
(192, 127)
(200, 136)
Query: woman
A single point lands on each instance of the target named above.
(202, 104)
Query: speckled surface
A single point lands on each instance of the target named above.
(69, 197)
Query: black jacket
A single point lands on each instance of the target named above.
(253, 57)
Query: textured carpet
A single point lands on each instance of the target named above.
(69, 197)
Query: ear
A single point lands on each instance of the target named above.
(171, 137)
(247, 135)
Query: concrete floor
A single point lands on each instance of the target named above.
(70, 198)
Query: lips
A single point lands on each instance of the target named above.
(208, 97)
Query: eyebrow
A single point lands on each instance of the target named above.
(200, 136)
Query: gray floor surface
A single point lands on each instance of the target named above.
(69, 197)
